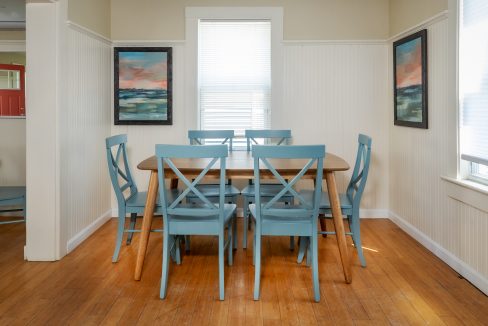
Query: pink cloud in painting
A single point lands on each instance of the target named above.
(409, 67)
(148, 72)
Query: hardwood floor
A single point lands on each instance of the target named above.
(403, 284)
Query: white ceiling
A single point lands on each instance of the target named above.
(12, 14)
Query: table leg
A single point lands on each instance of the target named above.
(152, 193)
(339, 225)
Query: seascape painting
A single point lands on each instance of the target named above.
(143, 86)
(411, 80)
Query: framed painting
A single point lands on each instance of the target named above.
(410, 80)
(143, 86)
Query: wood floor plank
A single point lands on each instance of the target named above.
(403, 284)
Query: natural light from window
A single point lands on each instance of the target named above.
(473, 86)
(234, 74)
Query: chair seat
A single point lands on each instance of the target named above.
(9, 193)
(139, 199)
(199, 225)
(213, 190)
(229, 209)
(287, 213)
(325, 202)
(266, 190)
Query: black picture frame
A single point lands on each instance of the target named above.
(140, 105)
(410, 96)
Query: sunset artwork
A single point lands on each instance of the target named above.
(143, 86)
(410, 86)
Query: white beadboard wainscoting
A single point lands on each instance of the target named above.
(84, 121)
(419, 202)
(332, 92)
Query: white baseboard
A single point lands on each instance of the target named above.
(86, 232)
(457, 264)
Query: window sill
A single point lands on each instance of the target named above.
(468, 192)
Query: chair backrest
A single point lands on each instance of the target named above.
(216, 155)
(360, 173)
(315, 155)
(281, 135)
(199, 137)
(120, 174)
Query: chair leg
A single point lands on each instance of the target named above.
(315, 266)
(231, 234)
(257, 264)
(120, 234)
(133, 217)
(356, 237)
(292, 243)
(302, 248)
(234, 231)
(165, 267)
(254, 250)
(187, 243)
(177, 242)
(246, 223)
(221, 265)
(309, 254)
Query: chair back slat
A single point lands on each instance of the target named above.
(252, 135)
(200, 137)
(216, 155)
(359, 176)
(314, 154)
(118, 166)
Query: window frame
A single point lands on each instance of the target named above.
(194, 15)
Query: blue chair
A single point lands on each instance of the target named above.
(11, 197)
(268, 190)
(132, 203)
(351, 200)
(276, 218)
(203, 218)
(212, 191)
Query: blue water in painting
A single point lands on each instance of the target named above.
(143, 104)
(409, 103)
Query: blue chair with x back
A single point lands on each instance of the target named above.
(268, 190)
(13, 200)
(275, 218)
(203, 218)
(129, 199)
(351, 200)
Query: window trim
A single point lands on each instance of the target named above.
(193, 15)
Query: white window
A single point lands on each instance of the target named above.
(473, 88)
(233, 68)
(234, 74)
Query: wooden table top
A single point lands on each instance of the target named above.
(240, 164)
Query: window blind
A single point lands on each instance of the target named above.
(473, 80)
(234, 74)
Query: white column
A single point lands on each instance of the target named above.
(42, 240)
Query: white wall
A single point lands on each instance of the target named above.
(68, 96)
(419, 200)
(332, 92)
(12, 152)
(84, 121)
(12, 134)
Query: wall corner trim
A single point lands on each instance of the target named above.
(89, 32)
(88, 231)
(446, 256)
(429, 21)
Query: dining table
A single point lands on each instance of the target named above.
(240, 165)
